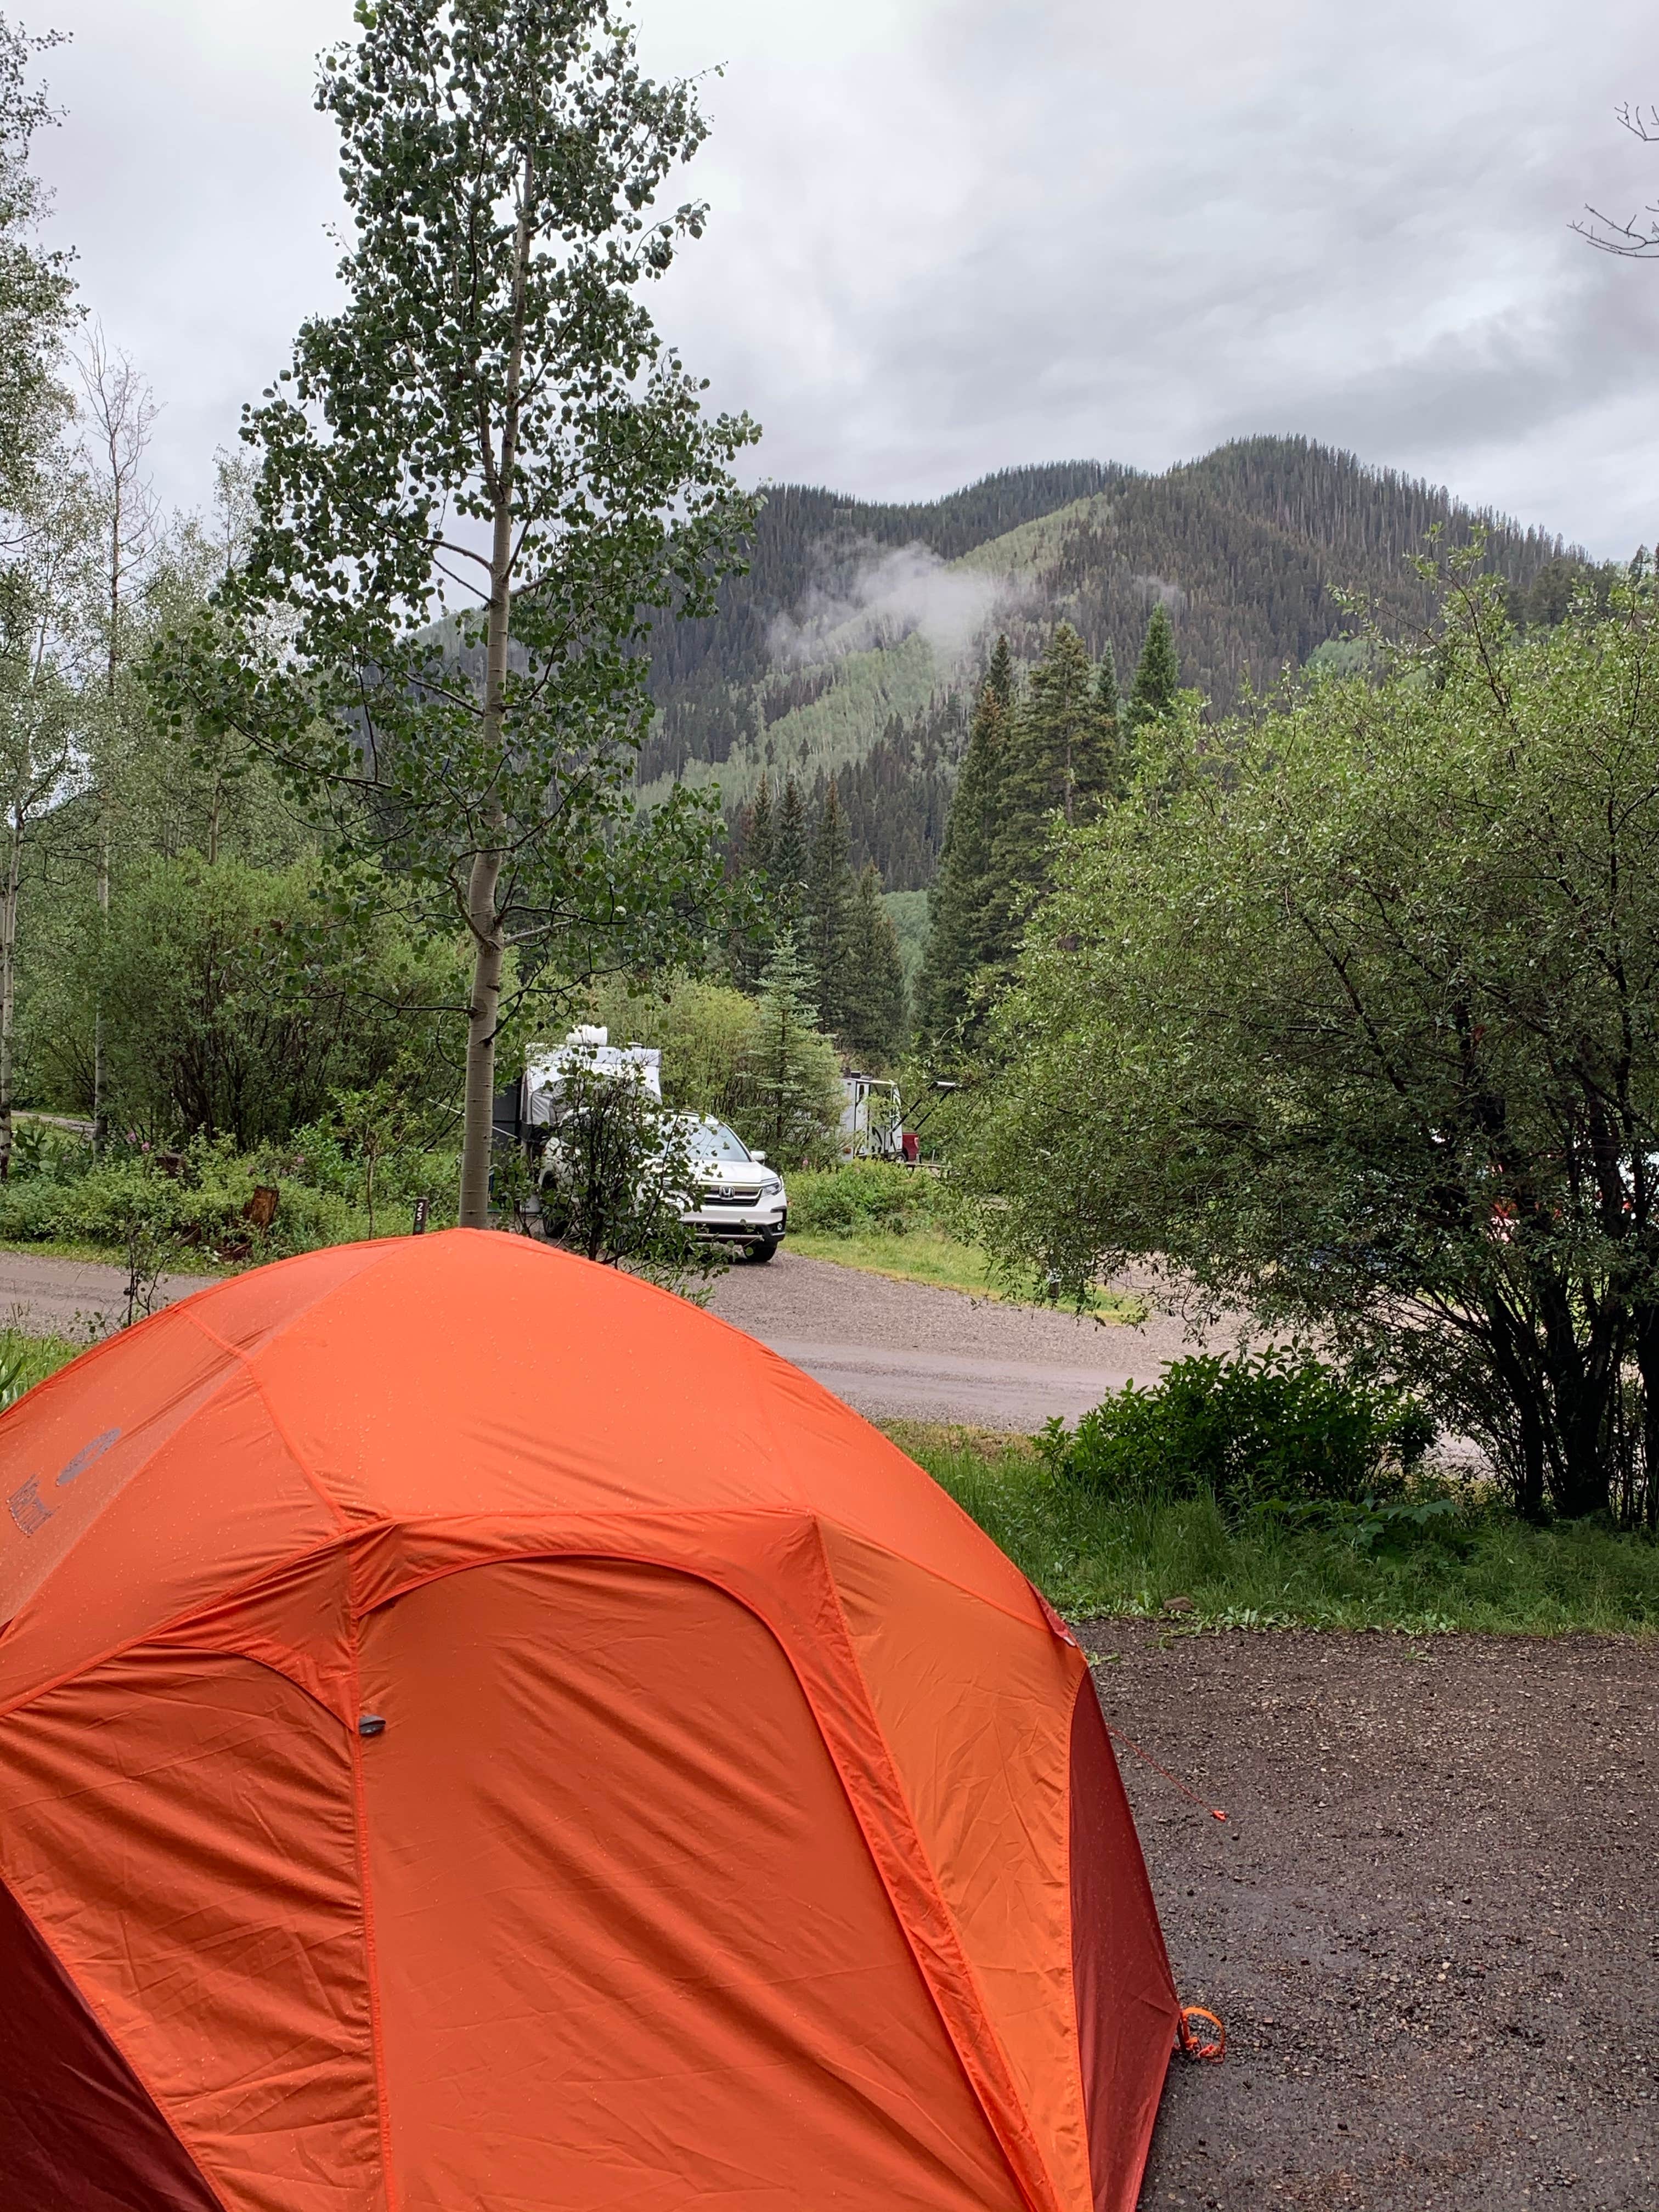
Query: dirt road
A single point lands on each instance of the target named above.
(76, 1299)
(892, 1350)
(902, 1351)
(1429, 1921)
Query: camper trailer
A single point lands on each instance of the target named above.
(872, 1120)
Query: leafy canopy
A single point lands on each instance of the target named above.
(480, 480)
(1354, 1016)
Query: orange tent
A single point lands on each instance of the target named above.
(478, 1735)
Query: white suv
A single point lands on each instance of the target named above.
(737, 1199)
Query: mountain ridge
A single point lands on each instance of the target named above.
(854, 643)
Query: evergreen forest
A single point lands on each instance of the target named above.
(829, 658)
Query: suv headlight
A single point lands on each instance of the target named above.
(772, 1188)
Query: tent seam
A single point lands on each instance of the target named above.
(172, 1626)
(493, 1516)
(963, 1964)
(1071, 1918)
(761, 1360)
(245, 1361)
(59, 1378)
(52, 1383)
(765, 1359)
(118, 2047)
(371, 1949)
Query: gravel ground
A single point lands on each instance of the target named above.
(72, 1297)
(1430, 1922)
(907, 1351)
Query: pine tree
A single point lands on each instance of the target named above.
(959, 905)
(1062, 760)
(790, 1074)
(1157, 679)
(1109, 706)
(875, 1024)
(790, 855)
(756, 855)
(752, 934)
(1106, 693)
(999, 675)
(832, 892)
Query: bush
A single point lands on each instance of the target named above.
(30, 1208)
(231, 1009)
(865, 1195)
(614, 1177)
(197, 1202)
(1245, 1430)
(1460, 1561)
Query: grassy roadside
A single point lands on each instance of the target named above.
(103, 1255)
(1483, 1571)
(886, 1219)
(26, 1360)
(930, 1255)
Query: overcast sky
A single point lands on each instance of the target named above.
(953, 235)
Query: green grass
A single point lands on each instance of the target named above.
(888, 1220)
(928, 1255)
(1484, 1572)
(108, 1256)
(26, 1360)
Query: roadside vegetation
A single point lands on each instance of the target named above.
(26, 1359)
(1443, 1556)
(208, 1205)
(892, 1220)
(1271, 1491)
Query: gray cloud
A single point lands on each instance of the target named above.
(952, 235)
(884, 593)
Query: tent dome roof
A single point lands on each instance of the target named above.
(416, 1380)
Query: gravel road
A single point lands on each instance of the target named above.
(73, 1297)
(904, 1351)
(1429, 1921)
(894, 1350)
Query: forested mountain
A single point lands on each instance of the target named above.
(853, 644)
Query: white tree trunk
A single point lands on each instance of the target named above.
(489, 956)
(7, 985)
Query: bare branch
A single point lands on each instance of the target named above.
(1635, 239)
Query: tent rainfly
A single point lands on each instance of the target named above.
(478, 1735)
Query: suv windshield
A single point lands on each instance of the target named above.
(712, 1140)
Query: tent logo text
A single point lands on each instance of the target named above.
(26, 1505)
